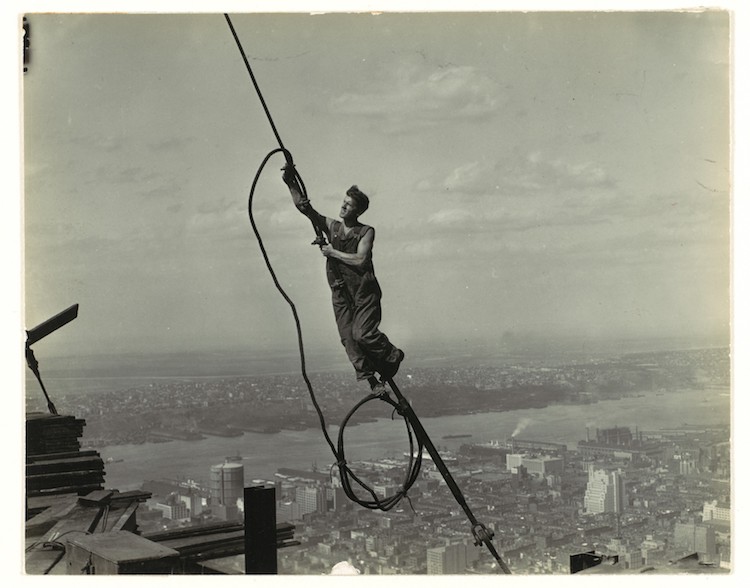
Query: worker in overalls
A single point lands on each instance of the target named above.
(355, 291)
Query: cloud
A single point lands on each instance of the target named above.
(226, 219)
(171, 144)
(99, 142)
(532, 174)
(499, 219)
(221, 219)
(594, 137)
(414, 95)
(217, 206)
(165, 193)
(129, 175)
(451, 217)
(420, 249)
(468, 177)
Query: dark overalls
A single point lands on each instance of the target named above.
(356, 304)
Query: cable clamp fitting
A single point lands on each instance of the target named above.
(481, 534)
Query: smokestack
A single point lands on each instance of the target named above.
(588, 438)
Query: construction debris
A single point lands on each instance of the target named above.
(55, 463)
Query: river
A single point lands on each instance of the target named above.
(264, 453)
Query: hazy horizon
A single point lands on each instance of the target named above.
(247, 361)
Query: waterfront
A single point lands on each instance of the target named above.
(265, 453)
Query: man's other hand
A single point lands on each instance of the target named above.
(303, 205)
(289, 174)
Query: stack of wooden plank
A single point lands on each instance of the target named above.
(213, 540)
(55, 463)
(52, 433)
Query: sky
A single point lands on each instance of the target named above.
(531, 175)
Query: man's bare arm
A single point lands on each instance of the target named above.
(362, 256)
(303, 204)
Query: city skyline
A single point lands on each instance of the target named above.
(596, 211)
(682, 396)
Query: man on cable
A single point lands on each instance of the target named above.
(355, 290)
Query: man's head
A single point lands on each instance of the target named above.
(360, 199)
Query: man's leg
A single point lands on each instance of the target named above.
(368, 336)
(363, 365)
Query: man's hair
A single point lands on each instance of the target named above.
(360, 198)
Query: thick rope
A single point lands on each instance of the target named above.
(255, 83)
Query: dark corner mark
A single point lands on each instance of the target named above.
(26, 44)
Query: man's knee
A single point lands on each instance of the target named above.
(361, 338)
(348, 342)
(367, 338)
(358, 337)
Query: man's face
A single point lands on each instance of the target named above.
(348, 209)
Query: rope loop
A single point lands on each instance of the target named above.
(347, 476)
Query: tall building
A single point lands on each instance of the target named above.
(697, 538)
(287, 510)
(194, 503)
(310, 499)
(620, 443)
(174, 511)
(717, 513)
(374, 543)
(226, 488)
(614, 436)
(447, 559)
(605, 491)
(336, 499)
(539, 466)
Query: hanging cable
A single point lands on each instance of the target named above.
(255, 83)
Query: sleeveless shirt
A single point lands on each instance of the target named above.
(353, 277)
